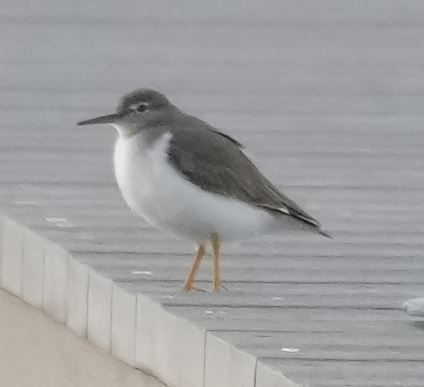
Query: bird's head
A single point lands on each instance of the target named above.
(137, 110)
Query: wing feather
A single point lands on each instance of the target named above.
(216, 162)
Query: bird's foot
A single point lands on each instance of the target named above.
(218, 287)
(195, 288)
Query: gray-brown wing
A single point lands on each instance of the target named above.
(217, 164)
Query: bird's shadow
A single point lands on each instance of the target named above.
(418, 324)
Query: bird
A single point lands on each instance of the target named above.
(190, 179)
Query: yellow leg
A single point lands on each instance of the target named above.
(189, 284)
(216, 246)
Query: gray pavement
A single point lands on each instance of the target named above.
(328, 96)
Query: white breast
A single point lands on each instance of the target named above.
(139, 171)
(154, 190)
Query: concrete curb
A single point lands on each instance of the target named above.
(130, 325)
(36, 351)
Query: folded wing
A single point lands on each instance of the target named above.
(216, 162)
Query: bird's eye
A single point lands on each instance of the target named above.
(142, 107)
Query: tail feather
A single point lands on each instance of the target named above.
(324, 233)
(300, 216)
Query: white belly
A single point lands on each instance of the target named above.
(154, 190)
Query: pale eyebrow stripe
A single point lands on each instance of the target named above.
(134, 105)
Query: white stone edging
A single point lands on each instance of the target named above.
(132, 327)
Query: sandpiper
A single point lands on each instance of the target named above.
(187, 178)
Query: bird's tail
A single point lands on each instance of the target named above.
(324, 233)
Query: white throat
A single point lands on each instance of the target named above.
(122, 131)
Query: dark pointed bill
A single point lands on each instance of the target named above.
(108, 119)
